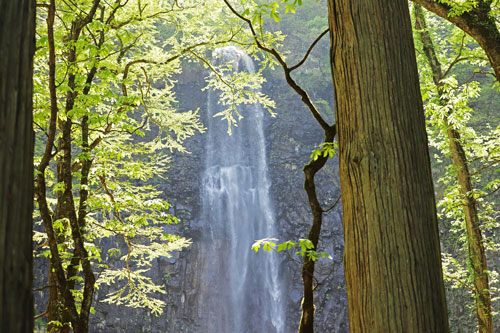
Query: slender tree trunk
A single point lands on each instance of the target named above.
(392, 256)
(310, 170)
(476, 250)
(54, 303)
(62, 305)
(57, 321)
(17, 37)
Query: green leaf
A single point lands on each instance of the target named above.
(256, 246)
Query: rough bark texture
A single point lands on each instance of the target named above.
(392, 256)
(478, 23)
(476, 249)
(17, 30)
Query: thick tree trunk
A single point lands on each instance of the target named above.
(476, 249)
(392, 256)
(478, 23)
(17, 31)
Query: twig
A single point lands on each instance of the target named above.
(485, 167)
(474, 75)
(460, 281)
(457, 58)
(41, 315)
(488, 194)
(40, 246)
(43, 288)
(303, 94)
(333, 206)
(309, 50)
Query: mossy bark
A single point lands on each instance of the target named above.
(477, 22)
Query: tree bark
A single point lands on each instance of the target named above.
(476, 251)
(392, 257)
(307, 318)
(478, 23)
(17, 37)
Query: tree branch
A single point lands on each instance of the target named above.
(309, 50)
(291, 82)
(477, 22)
(457, 58)
(485, 167)
(333, 206)
(41, 315)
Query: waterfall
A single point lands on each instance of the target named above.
(239, 289)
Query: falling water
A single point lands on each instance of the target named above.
(240, 291)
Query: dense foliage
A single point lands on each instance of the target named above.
(464, 142)
(106, 122)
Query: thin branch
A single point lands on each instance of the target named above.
(474, 75)
(41, 128)
(40, 246)
(130, 246)
(333, 206)
(309, 50)
(209, 65)
(90, 15)
(488, 194)
(102, 178)
(143, 99)
(43, 288)
(105, 228)
(291, 82)
(464, 284)
(113, 12)
(457, 58)
(52, 91)
(485, 167)
(40, 315)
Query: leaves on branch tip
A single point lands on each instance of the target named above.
(305, 247)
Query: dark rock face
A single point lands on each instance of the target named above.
(290, 138)
(292, 135)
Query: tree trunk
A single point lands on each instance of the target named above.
(62, 305)
(392, 257)
(307, 318)
(476, 250)
(53, 314)
(17, 37)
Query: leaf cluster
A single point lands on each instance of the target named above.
(304, 247)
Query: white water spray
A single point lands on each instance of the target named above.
(240, 290)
